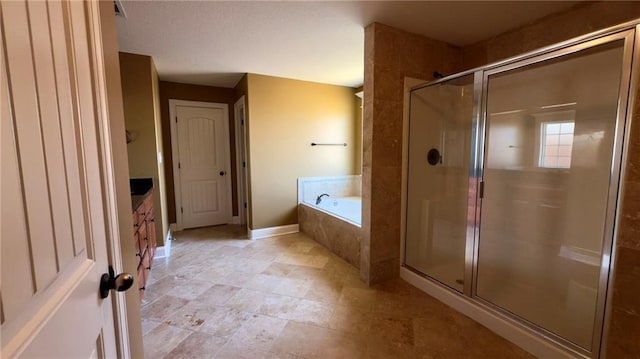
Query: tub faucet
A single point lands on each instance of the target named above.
(319, 198)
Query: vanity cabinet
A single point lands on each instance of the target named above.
(144, 239)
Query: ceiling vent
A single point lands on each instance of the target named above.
(117, 4)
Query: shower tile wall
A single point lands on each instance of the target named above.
(392, 54)
(624, 323)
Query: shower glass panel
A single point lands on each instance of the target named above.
(549, 140)
(439, 156)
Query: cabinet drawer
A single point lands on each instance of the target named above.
(146, 262)
(141, 242)
(135, 221)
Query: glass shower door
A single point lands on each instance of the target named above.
(549, 145)
(440, 123)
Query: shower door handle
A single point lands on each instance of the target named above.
(434, 157)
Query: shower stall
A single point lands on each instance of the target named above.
(512, 180)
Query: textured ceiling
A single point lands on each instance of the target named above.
(215, 42)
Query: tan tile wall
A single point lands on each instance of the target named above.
(579, 20)
(623, 339)
(392, 54)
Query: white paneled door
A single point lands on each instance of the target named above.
(54, 224)
(200, 136)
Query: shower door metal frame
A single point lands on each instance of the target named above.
(627, 36)
(629, 32)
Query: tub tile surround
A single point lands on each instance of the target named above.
(392, 54)
(309, 188)
(340, 237)
(308, 310)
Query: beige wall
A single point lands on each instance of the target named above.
(284, 117)
(139, 94)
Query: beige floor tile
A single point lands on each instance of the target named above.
(303, 272)
(197, 345)
(279, 269)
(162, 339)
(215, 274)
(190, 289)
(274, 355)
(262, 282)
(311, 312)
(293, 287)
(258, 333)
(236, 278)
(279, 306)
(246, 300)
(167, 283)
(302, 340)
(288, 297)
(381, 349)
(344, 345)
(350, 319)
(238, 351)
(148, 325)
(363, 299)
(224, 321)
(393, 329)
(162, 308)
(217, 294)
(194, 316)
(253, 266)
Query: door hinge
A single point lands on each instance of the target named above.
(179, 165)
(481, 189)
(245, 205)
(242, 122)
(176, 119)
(181, 210)
(244, 164)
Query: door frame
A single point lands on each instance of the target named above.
(175, 152)
(241, 157)
(116, 177)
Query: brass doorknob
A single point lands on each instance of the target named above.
(222, 173)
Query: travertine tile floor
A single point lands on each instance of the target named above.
(221, 295)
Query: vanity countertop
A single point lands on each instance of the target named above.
(140, 189)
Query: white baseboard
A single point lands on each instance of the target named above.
(165, 250)
(235, 220)
(273, 231)
(501, 326)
